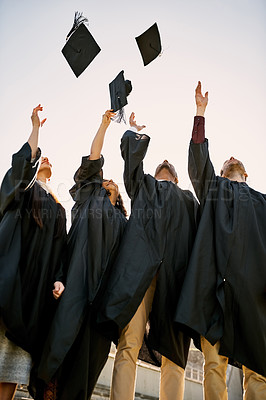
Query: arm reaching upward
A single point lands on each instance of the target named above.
(198, 133)
(201, 101)
(97, 143)
(36, 124)
(23, 171)
(200, 168)
(133, 149)
(91, 166)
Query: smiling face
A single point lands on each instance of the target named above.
(233, 167)
(45, 168)
(111, 188)
(166, 171)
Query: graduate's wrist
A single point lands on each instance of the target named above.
(105, 125)
(133, 129)
(200, 111)
(35, 128)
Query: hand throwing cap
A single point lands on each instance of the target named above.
(80, 48)
(149, 44)
(119, 90)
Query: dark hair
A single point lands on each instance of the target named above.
(120, 205)
(37, 206)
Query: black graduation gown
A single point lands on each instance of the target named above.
(30, 257)
(75, 351)
(158, 240)
(224, 292)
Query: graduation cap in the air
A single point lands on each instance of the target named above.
(119, 90)
(80, 48)
(149, 44)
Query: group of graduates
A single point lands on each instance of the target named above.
(192, 268)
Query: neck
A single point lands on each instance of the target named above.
(235, 177)
(41, 177)
(164, 176)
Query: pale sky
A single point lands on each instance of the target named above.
(220, 42)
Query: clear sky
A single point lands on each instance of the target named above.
(220, 42)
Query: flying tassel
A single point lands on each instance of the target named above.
(78, 19)
(120, 114)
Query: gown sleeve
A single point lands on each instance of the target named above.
(60, 245)
(88, 172)
(20, 177)
(133, 149)
(200, 168)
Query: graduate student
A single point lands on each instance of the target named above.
(223, 297)
(76, 352)
(149, 271)
(32, 239)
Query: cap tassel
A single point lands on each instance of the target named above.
(120, 114)
(78, 19)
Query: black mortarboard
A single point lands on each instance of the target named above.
(149, 44)
(80, 48)
(119, 90)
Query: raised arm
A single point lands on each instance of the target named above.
(23, 171)
(200, 168)
(198, 133)
(97, 143)
(89, 170)
(133, 149)
(36, 124)
(201, 101)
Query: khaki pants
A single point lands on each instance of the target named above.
(130, 342)
(215, 376)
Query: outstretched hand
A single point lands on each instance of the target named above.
(106, 119)
(35, 117)
(201, 101)
(134, 124)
